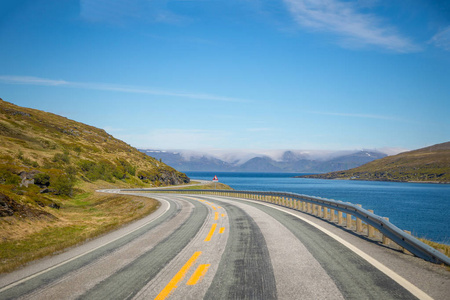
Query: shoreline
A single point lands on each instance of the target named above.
(367, 179)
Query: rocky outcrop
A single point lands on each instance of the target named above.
(9, 207)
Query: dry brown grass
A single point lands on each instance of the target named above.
(208, 186)
(445, 249)
(83, 217)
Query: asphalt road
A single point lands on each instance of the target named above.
(212, 247)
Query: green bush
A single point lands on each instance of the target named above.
(42, 179)
(127, 167)
(61, 157)
(95, 171)
(7, 177)
(63, 185)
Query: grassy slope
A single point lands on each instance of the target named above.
(75, 160)
(430, 164)
(208, 186)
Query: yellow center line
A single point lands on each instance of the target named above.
(216, 216)
(198, 274)
(172, 285)
(211, 232)
(223, 215)
(222, 229)
(213, 207)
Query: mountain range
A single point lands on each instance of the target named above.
(429, 164)
(288, 161)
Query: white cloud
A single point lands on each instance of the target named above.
(442, 39)
(28, 80)
(32, 80)
(356, 29)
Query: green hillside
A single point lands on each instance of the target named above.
(50, 167)
(430, 164)
(33, 142)
(46, 154)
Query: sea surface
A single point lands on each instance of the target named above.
(422, 208)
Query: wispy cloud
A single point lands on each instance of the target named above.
(355, 29)
(365, 116)
(28, 80)
(442, 39)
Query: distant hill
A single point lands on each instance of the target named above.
(45, 154)
(289, 161)
(430, 164)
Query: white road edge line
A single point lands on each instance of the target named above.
(394, 276)
(11, 285)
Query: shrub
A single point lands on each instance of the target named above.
(127, 167)
(7, 177)
(95, 171)
(42, 179)
(61, 157)
(63, 185)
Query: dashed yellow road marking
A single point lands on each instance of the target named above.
(222, 229)
(172, 285)
(211, 232)
(213, 207)
(223, 215)
(198, 274)
(216, 216)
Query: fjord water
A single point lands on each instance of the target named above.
(422, 208)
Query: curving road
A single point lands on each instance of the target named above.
(213, 247)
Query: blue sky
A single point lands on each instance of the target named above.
(278, 74)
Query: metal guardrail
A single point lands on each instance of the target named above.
(319, 207)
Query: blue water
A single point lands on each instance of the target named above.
(423, 209)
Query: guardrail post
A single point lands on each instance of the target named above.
(333, 215)
(325, 213)
(319, 211)
(358, 222)
(385, 240)
(349, 221)
(370, 229)
(403, 249)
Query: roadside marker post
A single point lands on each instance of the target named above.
(215, 180)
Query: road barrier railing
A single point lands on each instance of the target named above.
(345, 214)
